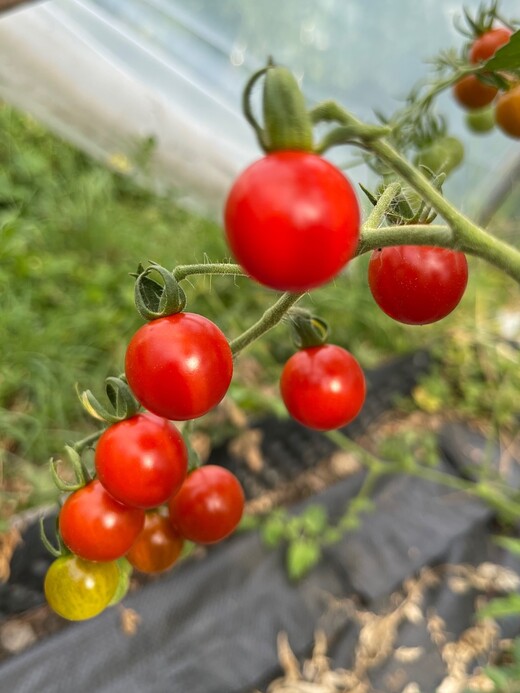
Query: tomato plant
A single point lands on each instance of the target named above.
(141, 461)
(292, 221)
(209, 505)
(179, 366)
(472, 93)
(417, 285)
(323, 387)
(97, 527)
(157, 547)
(485, 46)
(442, 155)
(77, 589)
(507, 112)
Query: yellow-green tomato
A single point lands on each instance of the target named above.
(77, 589)
(123, 585)
(481, 121)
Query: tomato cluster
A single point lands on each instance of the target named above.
(474, 94)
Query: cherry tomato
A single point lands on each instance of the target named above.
(323, 387)
(209, 505)
(471, 93)
(141, 461)
(157, 547)
(417, 285)
(443, 155)
(77, 589)
(179, 366)
(485, 46)
(507, 112)
(97, 527)
(292, 221)
(481, 121)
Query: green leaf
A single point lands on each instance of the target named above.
(501, 607)
(508, 543)
(248, 523)
(314, 520)
(498, 676)
(507, 57)
(273, 530)
(302, 555)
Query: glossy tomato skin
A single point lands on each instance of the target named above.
(292, 221)
(417, 285)
(96, 527)
(179, 366)
(77, 589)
(209, 505)
(157, 547)
(471, 93)
(141, 461)
(485, 46)
(507, 112)
(323, 387)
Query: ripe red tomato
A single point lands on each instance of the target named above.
(77, 589)
(209, 505)
(292, 221)
(417, 285)
(323, 387)
(485, 46)
(141, 461)
(97, 527)
(507, 112)
(157, 547)
(179, 366)
(471, 93)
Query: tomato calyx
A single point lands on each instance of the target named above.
(287, 125)
(123, 404)
(154, 300)
(307, 330)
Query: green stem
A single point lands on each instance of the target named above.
(269, 319)
(80, 445)
(183, 271)
(377, 214)
(408, 234)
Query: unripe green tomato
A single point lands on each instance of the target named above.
(480, 121)
(443, 155)
(77, 589)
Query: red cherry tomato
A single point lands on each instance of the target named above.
(485, 46)
(507, 112)
(141, 461)
(157, 547)
(179, 366)
(471, 93)
(97, 527)
(292, 221)
(209, 505)
(323, 387)
(417, 285)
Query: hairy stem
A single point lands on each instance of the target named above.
(183, 271)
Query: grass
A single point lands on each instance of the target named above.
(71, 231)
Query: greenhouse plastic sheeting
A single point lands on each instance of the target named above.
(108, 74)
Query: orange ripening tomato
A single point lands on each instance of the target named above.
(157, 547)
(507, 112)
(485, 46)
(471, 93)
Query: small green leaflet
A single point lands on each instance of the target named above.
(508, 57)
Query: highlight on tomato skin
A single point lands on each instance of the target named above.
(157, 547)
(292, 221)
(209, 506)
(323, 387)
(417, 285)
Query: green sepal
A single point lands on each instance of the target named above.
(123, 403)
(307, 330)
(155, 300)
(287, 125)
